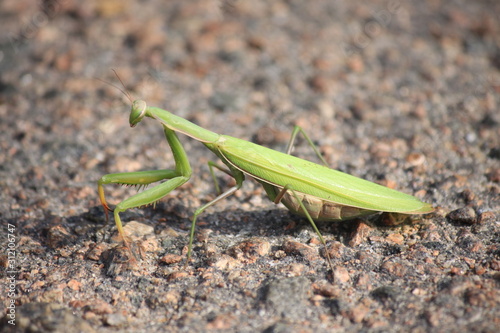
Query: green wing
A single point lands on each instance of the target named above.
(281, 169)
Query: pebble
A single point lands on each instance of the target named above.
(465, 215)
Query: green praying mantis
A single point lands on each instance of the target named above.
(311, 190)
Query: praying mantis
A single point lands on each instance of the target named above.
(311, 190)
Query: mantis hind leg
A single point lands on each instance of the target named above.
(276, 197)
(297, 130)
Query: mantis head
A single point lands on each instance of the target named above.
(138, 112)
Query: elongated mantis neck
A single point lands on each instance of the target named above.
(171, 121)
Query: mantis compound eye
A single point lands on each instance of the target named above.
(138, 112)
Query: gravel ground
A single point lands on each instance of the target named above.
(402, 93)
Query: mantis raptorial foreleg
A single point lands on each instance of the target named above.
(176, 178)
